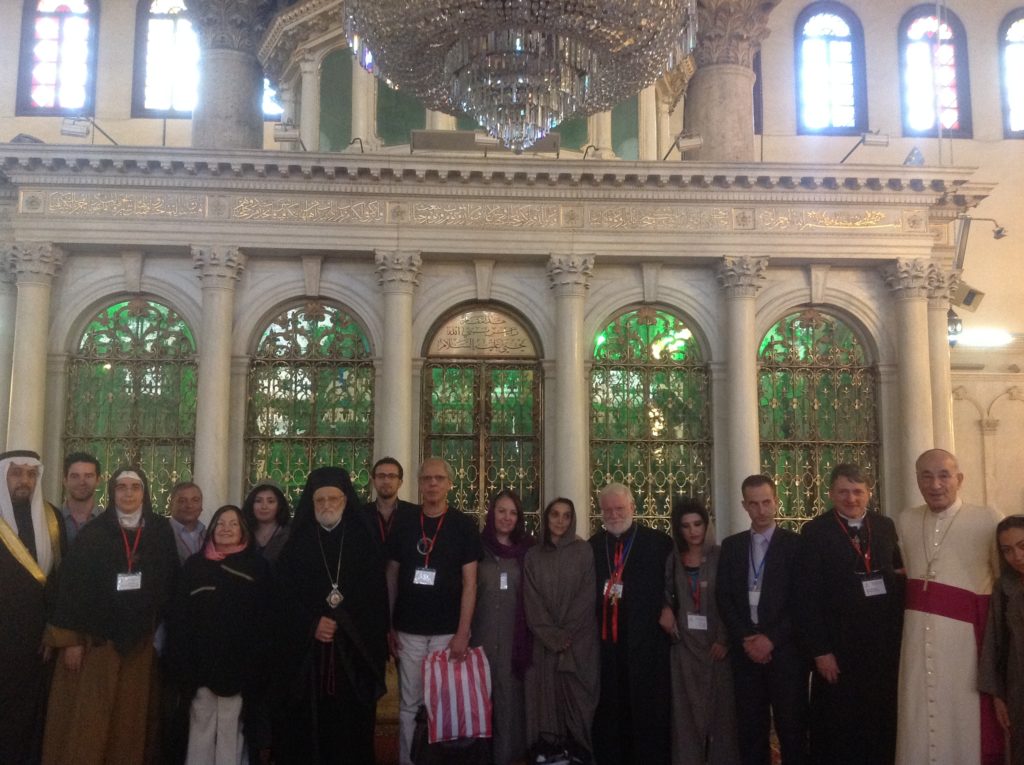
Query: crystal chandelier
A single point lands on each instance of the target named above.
(520, 67)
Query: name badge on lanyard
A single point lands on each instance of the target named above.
(696, 622)
(613, 589)
(132, 581)
(873, 586)
(424, 577)
(503, 581)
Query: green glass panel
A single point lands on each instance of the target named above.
(398, 113)
(311, 387)
(336, 100)
(626, 129)
(817, 408)
(465, 122)
(131, 393)
(512, 402)
(650, 418)
(574, 133)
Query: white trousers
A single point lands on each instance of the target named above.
(215, 730)
(412, 650)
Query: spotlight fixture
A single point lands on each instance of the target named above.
(684, 142)
(954, 327)
(871, 138)
(286, 132)
(78, 127)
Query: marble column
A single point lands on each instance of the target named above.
(219, 268)
(907, 279)
(229, 109)
(599, 130)
(570, 279)
(398, 273)
(719, 100)
(309, 102)
(989, 427)
(664, 123)
(364, 107)
(8, 309)
(34, 264)
(941, 284)
(647, 125)
(740, 278)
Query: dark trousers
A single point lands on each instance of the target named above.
(766, 692)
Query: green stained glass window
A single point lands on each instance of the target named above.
(131, 393)
(650, 413)
(482, 411)
(817, 405)
(310, 398)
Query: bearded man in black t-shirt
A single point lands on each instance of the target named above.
(433, 555)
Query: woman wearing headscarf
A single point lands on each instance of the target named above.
(499, 621)
(562, 684)
(333, 605)
(267, 515)
(218, 640)
(703, 716)
(115, 586)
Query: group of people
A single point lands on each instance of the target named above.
(129, 637)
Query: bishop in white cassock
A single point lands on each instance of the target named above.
(950, 555)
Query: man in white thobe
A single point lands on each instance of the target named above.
(950, 555)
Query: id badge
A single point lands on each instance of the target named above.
(424, 576)
(873, 587)
(696, 622)
(503, 581)
(129, 581)
(614, 590)
(754, 597)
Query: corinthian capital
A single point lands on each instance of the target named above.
(34, 261)
(941, 283)
(231, 24)
(398, 270)
(218, 263)
(741, 277)
(731, 31)
(909, 277)
(570, 274)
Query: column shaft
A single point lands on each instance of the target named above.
(941, 284)
(364, 105)
(8, 313)
(647, 118)
(309, 103)
(719, 109)
(599, 127)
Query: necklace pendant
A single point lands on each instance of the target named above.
(334, 597)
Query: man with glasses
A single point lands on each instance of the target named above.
(431, 574)
(386, 476)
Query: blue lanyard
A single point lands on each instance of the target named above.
(758, 570)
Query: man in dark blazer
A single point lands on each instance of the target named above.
(757, 591)
(850, 619)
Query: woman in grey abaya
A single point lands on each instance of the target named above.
(703, 714)
(562, 684)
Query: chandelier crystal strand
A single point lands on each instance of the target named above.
(520, 67)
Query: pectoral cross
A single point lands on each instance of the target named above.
(929, 575)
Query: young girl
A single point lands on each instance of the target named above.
(1001, 672)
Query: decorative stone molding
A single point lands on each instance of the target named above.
(398, 270)
(570, 274)
(218, 264)
(989, 425)
(942, 284)
(731, 31)
(303, 25)
(909, 277)
(741, 276)
(35, 261)
(230, 24)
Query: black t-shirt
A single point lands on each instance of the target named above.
(432, 609)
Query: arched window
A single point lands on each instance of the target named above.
(58, 57)
(310, 398)
(131, 393)
(818, 407)
(166, 60)
(831, 91)
(481, 407)
(933, 69)
(1011, 41)
(650, 413)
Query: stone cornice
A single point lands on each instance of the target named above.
(534, 177)
(302, 25)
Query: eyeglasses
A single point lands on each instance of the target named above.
(387, 476)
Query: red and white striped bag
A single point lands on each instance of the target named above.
(457, 695)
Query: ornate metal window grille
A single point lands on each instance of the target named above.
(650, 414)
(131, 393)
(818, 393)
(482, 412)
(310, 401)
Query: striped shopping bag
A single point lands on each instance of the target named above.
(457, 695)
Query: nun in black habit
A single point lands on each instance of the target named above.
(334, 610)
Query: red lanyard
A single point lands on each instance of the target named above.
(865, 554)
(385, 528)
(617, 567)
(429, 543)
(130, 553)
